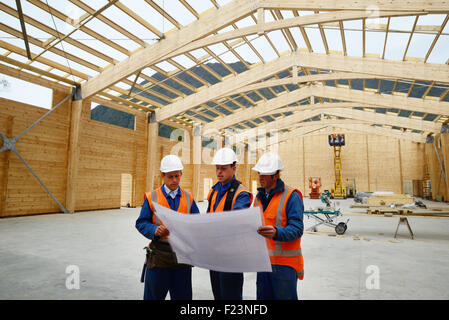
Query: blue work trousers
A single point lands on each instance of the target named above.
(159, 281)
(281, 284)
(226, 285)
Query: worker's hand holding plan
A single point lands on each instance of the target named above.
(222, 241)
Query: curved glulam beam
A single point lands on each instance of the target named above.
(360, 97)
(369, 66)
(300, 21)
(195, 35)
(158, 51)
(369, 5)
(311, 128)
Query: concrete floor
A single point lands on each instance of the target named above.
(35, 252)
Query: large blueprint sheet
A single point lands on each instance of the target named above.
(222, 241)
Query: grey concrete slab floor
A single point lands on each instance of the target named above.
(39, 257)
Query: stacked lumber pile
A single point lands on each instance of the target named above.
(389, 211)
(388, 199)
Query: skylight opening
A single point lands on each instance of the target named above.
(201, 6)
(229, 57)
(313, 33)
(67, 47)
(247, 53)
(123, 20)
(278, 39)
(439, 53)
(218, 48)
(198, 53)
(419, 45)
(402, 23)
(71, 64)
(112, 34)
(333, 39)
(354, 43)
(374, 43)
(177, 10)
(297, 36)
(431, 20)
(184, 61)
(166, 66)
(264, 48)
(396, 44)
(98, 45)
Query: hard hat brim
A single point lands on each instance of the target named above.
(171, 169)
(222, 163)
(266, 173)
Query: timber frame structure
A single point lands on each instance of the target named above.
(410, 88)
(314, 82)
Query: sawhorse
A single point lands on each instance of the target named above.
(404, 220)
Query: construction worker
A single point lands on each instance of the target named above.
(161, 271)
(227, 194)
(283, 228)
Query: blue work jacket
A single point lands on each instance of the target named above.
(145, 221)
(294, 211)
(242, 201)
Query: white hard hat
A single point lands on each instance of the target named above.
(171, 163)
(224, 156)
(269, 163)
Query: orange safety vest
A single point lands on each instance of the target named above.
(286, 253)
(220, 206)
(185, 203)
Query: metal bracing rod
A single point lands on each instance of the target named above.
(22, 24)
(44, 116)
(10, 144)
(39, 180)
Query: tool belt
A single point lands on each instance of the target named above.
(161, 255)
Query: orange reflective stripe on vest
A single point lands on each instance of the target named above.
(185, 203)
(220, 206)
(282, 252)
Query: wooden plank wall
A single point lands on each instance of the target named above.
(108, 151)
(442, 145)
(44, 148)
(364, 159)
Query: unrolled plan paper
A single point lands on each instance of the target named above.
(222, 241)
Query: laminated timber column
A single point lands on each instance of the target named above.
(304, 165)
(367, 164)
(153, 132)
(401, 182)
(437, 179)
(196, 161)
(6, 165)
(247, 159)
(73, 149)
(445, 154)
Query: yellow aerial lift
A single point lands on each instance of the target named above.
(337, 141)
